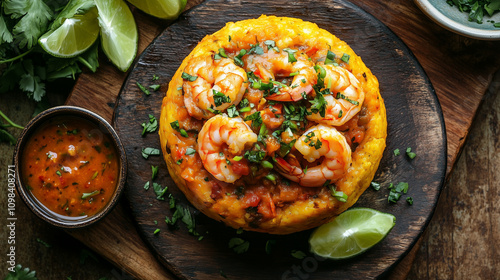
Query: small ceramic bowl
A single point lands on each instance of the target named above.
(452, 19)
(103, 129)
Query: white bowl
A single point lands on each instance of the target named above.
(452, 19)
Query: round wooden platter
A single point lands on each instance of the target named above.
(414, 120)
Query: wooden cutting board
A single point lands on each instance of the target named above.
(460, 70)
(414, 120)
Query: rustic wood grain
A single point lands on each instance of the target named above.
(460, 242)
(428, 42)
(414, 120)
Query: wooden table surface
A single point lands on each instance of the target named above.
(456, 245)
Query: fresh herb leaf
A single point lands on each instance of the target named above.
(154, 87)
(159, 191)
(375, 185)
(43, 243)
(21, 273)
(255, 118)
(146, 152)
(409, 200)
(34, 17)
(410, 154)
(190, 151)
(175, 126)
(271, 45)
(188, 77)
(91, 194)
(150, 126)
(237, 59)
(291, 55)
(239, 245)
(318, 104)
(142, 88)
(232, 112)
(298, 254)
(330, 58)
(397, 152)
(154, 171)
(220, 98)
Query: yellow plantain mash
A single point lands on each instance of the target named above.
(273, 125)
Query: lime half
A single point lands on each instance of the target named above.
(165, 9)
(351, 233)
(73, 37)
(118, 32)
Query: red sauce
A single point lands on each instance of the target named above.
(70, 166)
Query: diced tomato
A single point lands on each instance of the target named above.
(250, 200)
(240, 167)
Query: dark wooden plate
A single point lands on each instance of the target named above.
(414, 120)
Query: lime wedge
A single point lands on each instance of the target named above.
(73, 37)
(351, 233)
(118, 32)
(164, 9)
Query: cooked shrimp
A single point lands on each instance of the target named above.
(212, 78)
(218, 135)
(318, 142)
(346, 99)
(271, 65)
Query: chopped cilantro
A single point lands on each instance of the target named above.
(291, 55)
(159, 191)
(271, 45)
(345, 58)
(255, 156)
(410, 154)
(142, 88)
(298, 254)
(154, 87)
(330, 58)
(175, 126)
(232, 112)
(154, 171)
(188, 77)
(146, 152)
(396, 152)
(318, 104)
(409, 200)
(255, 118)
(190, 151)
(220, 98)
(239, 245)
(339, 195)
(256, 49)
(375, 185)
(150, 126)
(237, 59)
(146, 186)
